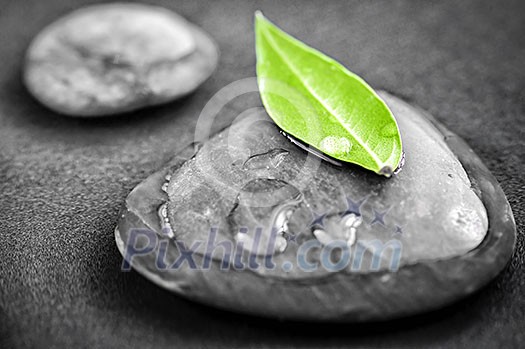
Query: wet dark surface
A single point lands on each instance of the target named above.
(63, 181)
(430, 225)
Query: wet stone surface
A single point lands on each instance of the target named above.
(429, 208)
(421, 236)
(113, 58)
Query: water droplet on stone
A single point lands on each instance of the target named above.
(322, 236)
(281, 243)
(338, 226)
(164, 220)
(262, 211)
(271, 158)
(163, 211)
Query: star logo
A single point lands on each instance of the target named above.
(291, 237)
(354, 206)
(379, 217)
(398, 230)
(318, 219)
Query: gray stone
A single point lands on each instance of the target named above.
(432, 234)
(113, 58)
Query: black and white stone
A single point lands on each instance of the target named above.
(113, 58)
(443, 219)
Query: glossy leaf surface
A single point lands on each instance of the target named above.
(317, 100)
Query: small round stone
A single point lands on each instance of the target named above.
(114, 58)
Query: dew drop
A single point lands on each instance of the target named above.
(163, 211)
(281, 243)
(335, 146)
(164, 220)
(322, 236)
(264, 207)
(338, 226)
(271, 158)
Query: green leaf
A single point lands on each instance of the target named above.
(317, 100)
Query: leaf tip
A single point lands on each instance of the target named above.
(261, 21)
(386, 171)
(259, 18)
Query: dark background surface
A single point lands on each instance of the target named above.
(62, 180)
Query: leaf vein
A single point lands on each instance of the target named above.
(285, 59)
